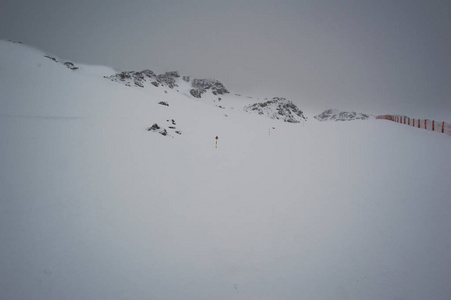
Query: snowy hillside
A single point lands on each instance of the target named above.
(94, 205)
(336, 115)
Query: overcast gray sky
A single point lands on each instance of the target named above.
(371, 56)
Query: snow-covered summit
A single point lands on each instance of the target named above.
(278, 108)
(336, 115)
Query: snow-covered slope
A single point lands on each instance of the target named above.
(336, 115)
(95, 206)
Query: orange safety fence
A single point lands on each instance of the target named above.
(431, 125)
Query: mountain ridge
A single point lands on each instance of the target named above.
(208, 90)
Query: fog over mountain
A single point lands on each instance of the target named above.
(376, 57)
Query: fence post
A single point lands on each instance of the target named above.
(433, 127)
(418, 123)
(443, 127)
(425, 125)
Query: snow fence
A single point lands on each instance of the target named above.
(431, 125)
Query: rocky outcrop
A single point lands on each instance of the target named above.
(200, 86)
(68, 64)
(163, 131)
(278, 108)
(169, 79)
(139, 79)
(336, 115)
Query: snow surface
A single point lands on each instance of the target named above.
(94, 206)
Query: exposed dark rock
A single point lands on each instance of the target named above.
(153, 127)
(169, 79)
(336, 115)
(50, 57)
(148, 73)
(139, 78)
(70, 65)
(278, 108)
(163, 103)
(196, 93)
(200, 86)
